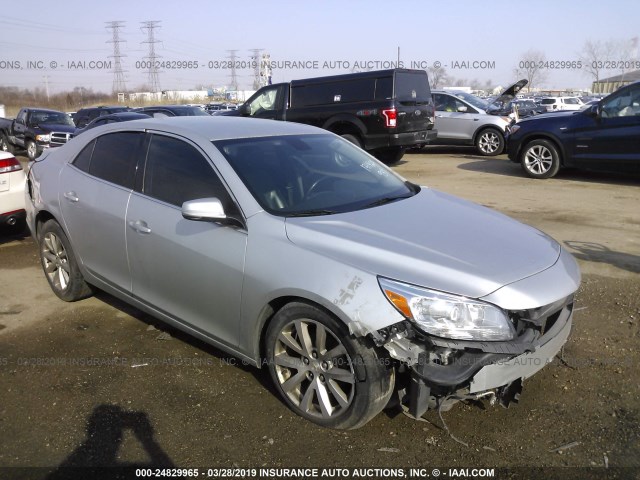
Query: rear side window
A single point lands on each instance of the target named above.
(344, 91)
(548, 101)
(176, 172)
(114, 157)
(384, 88)
(83, 160)
(412, 87)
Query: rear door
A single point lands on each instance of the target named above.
(94, 194)
(413, 101)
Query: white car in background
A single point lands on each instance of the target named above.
(556, 104)
(12, 181)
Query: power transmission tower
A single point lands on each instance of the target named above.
(234, 77)
(152, 58)
(119, 85)
(256, 58)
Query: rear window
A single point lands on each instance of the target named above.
(412, 87)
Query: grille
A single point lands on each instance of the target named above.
(59, 138)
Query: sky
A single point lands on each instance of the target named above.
(68, 46)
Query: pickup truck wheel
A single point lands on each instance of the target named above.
(540, 159)
(32, 150)
(353, 139)
(5, 146)
(323, 373)
(59, 264)
(490, 142)
(389, 156)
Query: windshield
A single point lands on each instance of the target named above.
(472, 99)
(43, 118)
(298, 175)
(192, 112)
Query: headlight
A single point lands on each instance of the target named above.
(447, 315)
(43, 138)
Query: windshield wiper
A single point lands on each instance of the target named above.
(384, 200)
(311, 213)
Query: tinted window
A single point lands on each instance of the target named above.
(83, 160)
(548, 101)
(176, 172)
(114, 157)
(384, 88)
(357, 90)
(412, 87)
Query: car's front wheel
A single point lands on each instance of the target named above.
(490, 142)
(540, 159)
(323, 373)
(59, 264)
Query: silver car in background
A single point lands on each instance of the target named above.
(464, 119)
(293, 249)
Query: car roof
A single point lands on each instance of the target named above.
(218, 128)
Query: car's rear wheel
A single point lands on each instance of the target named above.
(490, 142)
(323, 373)
(32, 150)
(352, 139)
(389, 156)
(59, 264)
(540, 159)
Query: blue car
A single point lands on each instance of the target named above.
(601, 137)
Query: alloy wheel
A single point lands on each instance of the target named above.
(489, 142)
(55, 261)
(538, 159)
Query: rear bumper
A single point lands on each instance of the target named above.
(408, 139)
(12, 218)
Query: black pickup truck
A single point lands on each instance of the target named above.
(34, 130)
(384, 112)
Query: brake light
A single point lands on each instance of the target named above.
(9, 165)
(390, 117)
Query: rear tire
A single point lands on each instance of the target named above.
(540, 159)
(323, 373)
(352, 139)
(59, 264)
(389, 156)
(32, 150)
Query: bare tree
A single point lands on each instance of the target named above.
(531, 67)
(595, 56)
(437, 76)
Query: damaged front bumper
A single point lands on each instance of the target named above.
(441, 371)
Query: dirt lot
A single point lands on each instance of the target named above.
(99, 383)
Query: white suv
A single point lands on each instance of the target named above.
(12, 181)
(554, 104)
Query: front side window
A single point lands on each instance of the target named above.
(115, 156)
(299, 175)
(624, 104)
(266, 101)
(177, 172)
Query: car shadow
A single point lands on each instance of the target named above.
(105, 431)
(595, 252)
(10, 234)
(505, 167)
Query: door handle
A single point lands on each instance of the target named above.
(139, 226)
(439, 116)
(71, 196)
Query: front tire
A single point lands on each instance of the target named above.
(32, 150)
(59, 264)
(540, 159)
(323, 373)
(490, 142)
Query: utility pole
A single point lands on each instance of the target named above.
(234, 77)
(119, 85)
(257, 59)
(152, 58)
(46, 85)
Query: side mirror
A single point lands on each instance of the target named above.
(594, 110)
(204, 210)
(245, 109)
(462, 109)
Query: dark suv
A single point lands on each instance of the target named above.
(602, 137)
(383, 112)
(86, 115)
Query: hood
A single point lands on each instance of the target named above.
(508, 94)
(55, 127)
(433, 240)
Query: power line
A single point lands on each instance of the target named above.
(234, 77)
(118, 73)
(152, 57)
(257, 60)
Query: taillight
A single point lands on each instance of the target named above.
(9, 165)
(390, 117)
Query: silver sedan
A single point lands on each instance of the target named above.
(296, 251)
